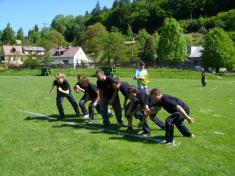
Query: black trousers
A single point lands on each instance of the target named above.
(178, 120)
(138, 114)
(92, 108)
(116, 107)
(203, 80)
(82, 103)
(157, 121)
(59, 101)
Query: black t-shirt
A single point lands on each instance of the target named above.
(106, 87)
(65, 86)
(169, 103)
(124, 89)
(142, 97)
(80, 85)
(91, 90)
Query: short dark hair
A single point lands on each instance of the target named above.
(116, 80)
(155, 91)
(79, 76)
(99, 71)
(132, 89)
(141, 63)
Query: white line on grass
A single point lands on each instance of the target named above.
(97, 128)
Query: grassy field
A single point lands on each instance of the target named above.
(31, 145)
(121, 72)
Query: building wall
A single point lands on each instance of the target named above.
(80, 57)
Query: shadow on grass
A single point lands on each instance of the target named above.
(73, 122)
(114, 129)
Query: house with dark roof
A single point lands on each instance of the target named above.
(71, 56)
(15, 55)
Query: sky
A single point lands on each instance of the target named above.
(27, 13)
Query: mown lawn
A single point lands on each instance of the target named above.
(31, 145)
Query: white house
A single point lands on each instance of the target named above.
(195, 53)
(71, 56)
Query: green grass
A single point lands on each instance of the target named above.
(33, 146)
(121, 72)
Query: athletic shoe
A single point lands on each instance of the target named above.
(163, 142)
(86, 116)
(110, 114)
(90, 121)
(146, 133)
(170, 143)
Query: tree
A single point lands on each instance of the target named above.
(172, 44)
(8, 35)
(97, 9)
(31, 63)
(219, 50)
(149, 53)
(34, 35)
(20, 34)
(90, 38)
(113, 48)
(52, 39)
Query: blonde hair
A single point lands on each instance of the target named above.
(60, 75)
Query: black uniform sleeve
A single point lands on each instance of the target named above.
(66, 85)
(54, 83)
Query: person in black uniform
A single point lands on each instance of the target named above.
(108, 96)
(203, 79)
(63, 90)
(82, 102)
(125, 87)
(92, 95)
(178, 110)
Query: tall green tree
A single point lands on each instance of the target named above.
(149, 53)
(91, 37)
(113, 48)
(52, 39)
(219, 50)
(172, 43)
(34, 35)
(20, 34)
(8, 35)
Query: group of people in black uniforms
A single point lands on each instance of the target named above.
(141, 105)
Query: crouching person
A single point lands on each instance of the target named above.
(178, 111)
(136, 108)
(109, 96)
(93, 96)
(63, 90)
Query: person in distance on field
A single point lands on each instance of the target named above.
(141, 76)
